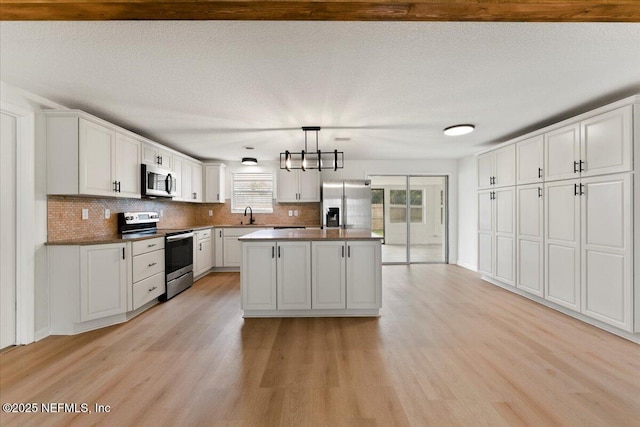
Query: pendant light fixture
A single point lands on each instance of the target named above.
(305, 159)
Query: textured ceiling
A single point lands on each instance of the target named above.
(208, 88)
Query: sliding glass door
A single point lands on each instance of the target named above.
(410, 213)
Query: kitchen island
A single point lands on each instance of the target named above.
(311, 273)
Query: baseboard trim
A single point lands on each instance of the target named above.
(42, 334)
(467, 266)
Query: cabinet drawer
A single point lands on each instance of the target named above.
(148, 289)
(204, 234)
(148, 245)
(148, 264)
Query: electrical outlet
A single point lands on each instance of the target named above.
(290, 213)
(295, 213)
(210, 212)
(85, 213)
(107, 213)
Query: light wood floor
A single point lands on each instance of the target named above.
(448, 349)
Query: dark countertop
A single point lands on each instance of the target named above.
(299, 234)
(119, 238)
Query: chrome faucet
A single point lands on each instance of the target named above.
(251, 218)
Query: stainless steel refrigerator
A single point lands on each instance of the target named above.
(352, 198)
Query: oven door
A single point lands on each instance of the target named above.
(178, 255)
(157, 182)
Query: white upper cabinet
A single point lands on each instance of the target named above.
(562, 153)
(177, 162)
(196, 182)
(214, 183)
(88, 157)
(97, 159)
(530, 160)
(155, 154)
(127, 166)
(497, 168)
(298, 186)
(606, 142)
(596, 146)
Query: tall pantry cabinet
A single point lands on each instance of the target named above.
(566, 224)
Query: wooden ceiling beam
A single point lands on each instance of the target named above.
(299, 10)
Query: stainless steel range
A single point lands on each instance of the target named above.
(178, 249)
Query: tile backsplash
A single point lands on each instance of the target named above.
(64, 216)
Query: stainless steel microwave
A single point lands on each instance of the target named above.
(158, 182)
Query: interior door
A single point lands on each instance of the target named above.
(8, 141)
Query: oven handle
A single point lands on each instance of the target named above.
(179, 237)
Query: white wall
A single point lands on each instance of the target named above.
(468, 218)
(32, 172)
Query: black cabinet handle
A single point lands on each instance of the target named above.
(575, 167)
(539, 172)
(539, 191)
(581, 166)
(123, 253)
(115, 186)
(349, 251)
(200, 246)
(582, 189)
(278, 251)
(273, 251)
(220, 233)
(575, 189)
(342, 251)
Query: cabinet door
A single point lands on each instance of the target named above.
(505, 235)
(231, 251)
(103, 281)
(127, 165)
(287, 185)
(606, 142)
(96, 159)
(485, 232)
(530, 160)
(505, 166)
(364, 274)
(294, 275)
(328, 267)
(562, 243)
(309, 184)
(187, 194)
(214, 183)
(204, 254)
(561, 151)
(150, 154)
(485, 170)
(196, 182)
(607, 250)
(218, 250)
(165, 159)
(177, 172)
(530, 239)
(258, 276)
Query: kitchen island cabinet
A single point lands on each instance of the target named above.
(311, 273)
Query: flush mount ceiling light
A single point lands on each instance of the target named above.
(249, 161)
(311, 159)
(459, 130)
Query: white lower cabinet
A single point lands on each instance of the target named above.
(202, 252)
(606, 249)
(311, 277)
(496, 234)
(103, 281)
(329, 281)
(364, 275)
(562, 243)
(294, 275)
(530, 239)
(589, 252)
(258, 276)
